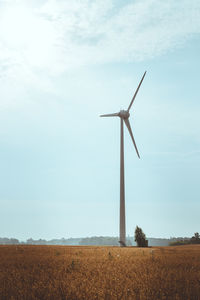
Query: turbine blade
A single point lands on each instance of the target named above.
(110, 115)
(136, 91)
(131, 134)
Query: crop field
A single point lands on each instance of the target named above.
(78, 272)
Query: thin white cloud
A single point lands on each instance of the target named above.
(55, 36)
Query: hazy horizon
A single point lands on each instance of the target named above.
(89, 237)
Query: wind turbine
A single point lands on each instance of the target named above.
(124, 118)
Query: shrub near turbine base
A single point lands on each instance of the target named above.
(140, 237)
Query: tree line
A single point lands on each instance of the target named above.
(30, 241)
(195, 239)
(139, 239)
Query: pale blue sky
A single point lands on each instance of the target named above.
(64, 64)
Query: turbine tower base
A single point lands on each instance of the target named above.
(122, 244)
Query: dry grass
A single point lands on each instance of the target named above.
(72, 273)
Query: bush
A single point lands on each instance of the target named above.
(140, 237)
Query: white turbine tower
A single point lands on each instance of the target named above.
(124, 117)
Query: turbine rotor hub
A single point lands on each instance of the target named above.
(124, 114)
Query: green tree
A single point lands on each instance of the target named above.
(195, 239)
(196, 236)
(140, 237)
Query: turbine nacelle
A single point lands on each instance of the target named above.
(124, 114)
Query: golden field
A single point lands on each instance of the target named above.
(78, 272)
